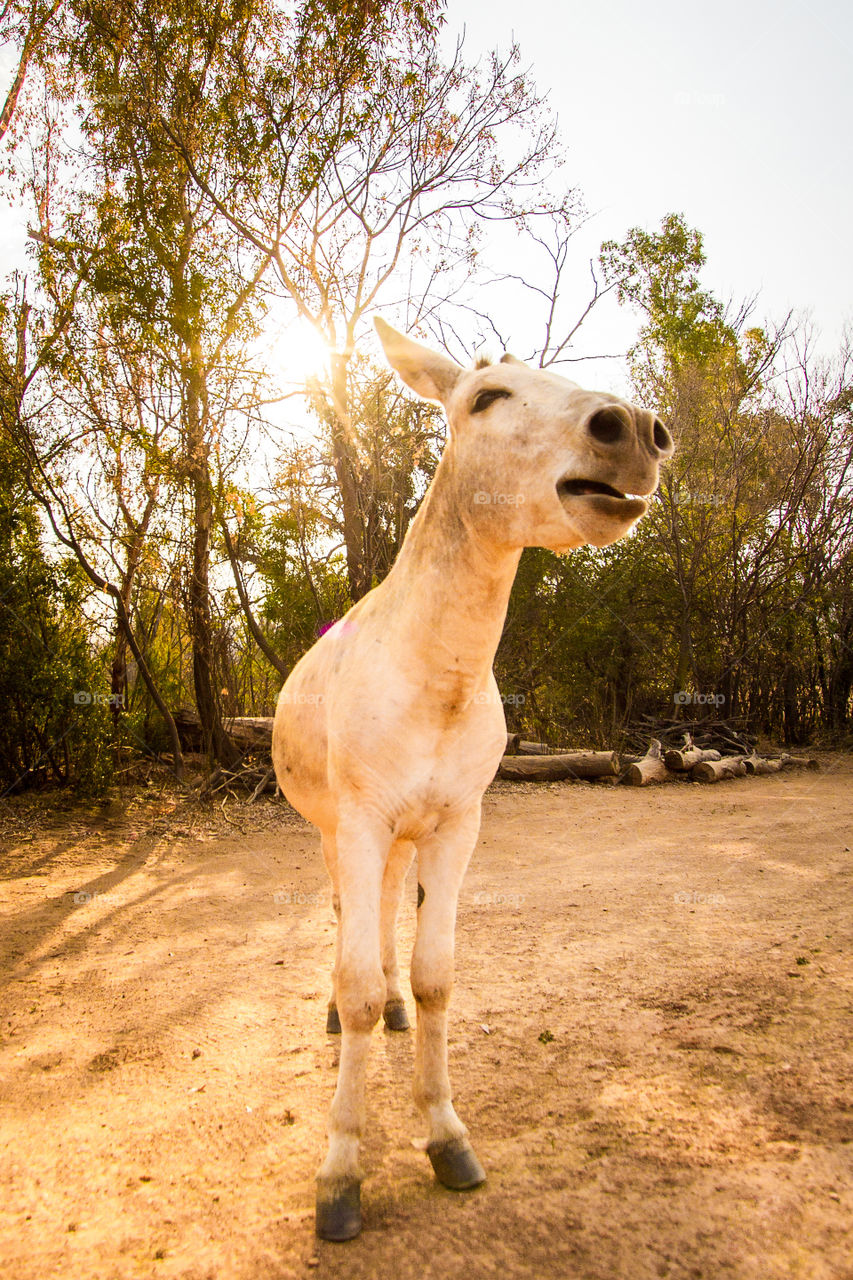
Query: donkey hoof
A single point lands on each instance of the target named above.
(333, 1022)
(338, 1214)
(455, 1164)
(396, 1018)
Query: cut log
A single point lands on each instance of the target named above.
(533, 749)
(759, 765)
(650, 768)
(799, 762)
(716, 770)
(250, 731)
(687, 757)
(245, 731)
(568, 764)
(512, 741)
(188, 725)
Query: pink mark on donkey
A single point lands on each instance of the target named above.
(344, 626)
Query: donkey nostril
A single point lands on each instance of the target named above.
(663, 439)
(606, 427)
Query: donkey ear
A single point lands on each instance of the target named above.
(430, 374)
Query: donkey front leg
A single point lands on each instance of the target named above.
(396, 870)
(442, 860)
(362, 852)
(394, 879)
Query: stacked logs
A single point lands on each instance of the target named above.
(717, 751)
(704, 764)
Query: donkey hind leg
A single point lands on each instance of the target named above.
(442, 860)
(396, 870)
(330, 857)
(362, 849)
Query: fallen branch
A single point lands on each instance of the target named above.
(262, 785)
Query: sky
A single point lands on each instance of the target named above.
(738, 115)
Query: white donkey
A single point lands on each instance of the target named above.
(389, 730)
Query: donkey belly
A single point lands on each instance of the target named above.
(300, 750)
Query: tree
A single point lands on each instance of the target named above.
(29, 25)
(55, 725)
(761, 476)
(365, 185)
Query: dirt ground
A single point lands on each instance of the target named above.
(651, 1042)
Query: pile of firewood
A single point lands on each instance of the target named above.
(729, 737)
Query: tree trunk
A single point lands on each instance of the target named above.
(791, 708)
(841, 684)
(260, 639)
(216, 742)
(118, 672)
(343, 457)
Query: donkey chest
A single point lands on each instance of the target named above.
(428, 801)
(438, 775)
(450, 695)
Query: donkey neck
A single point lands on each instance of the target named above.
(449, 588)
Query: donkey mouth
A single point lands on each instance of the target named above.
(581, 488)
(602, 497)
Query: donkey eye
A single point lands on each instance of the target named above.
(485, 398)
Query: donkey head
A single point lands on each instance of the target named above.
(536, 460)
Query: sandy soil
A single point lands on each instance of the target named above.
(651, 1042)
